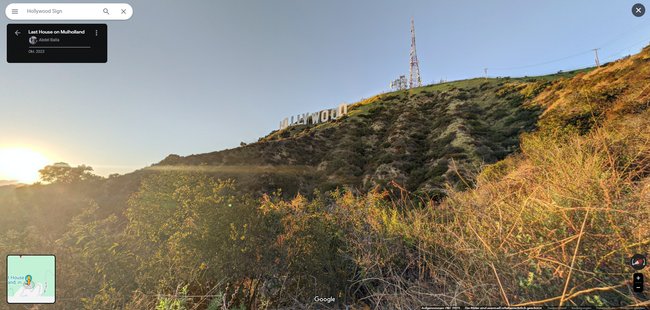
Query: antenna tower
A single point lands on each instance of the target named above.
(414, 76)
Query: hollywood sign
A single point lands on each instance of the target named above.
(315, 118)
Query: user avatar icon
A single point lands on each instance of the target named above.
(33, 40)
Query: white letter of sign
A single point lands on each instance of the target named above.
(333, 114)
(324, 116)
(315, 118)
(343, 109)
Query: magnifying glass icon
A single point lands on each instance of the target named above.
(106, 11)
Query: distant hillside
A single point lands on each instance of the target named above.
(8, 182)
(421, 138)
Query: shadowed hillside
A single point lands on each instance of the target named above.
(422, 139)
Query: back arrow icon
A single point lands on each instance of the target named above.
(17, 32)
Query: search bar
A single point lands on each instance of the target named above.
(69, 11)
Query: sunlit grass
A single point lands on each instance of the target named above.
(233, 169)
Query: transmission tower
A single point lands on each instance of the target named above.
(414, 77)
(596, 57)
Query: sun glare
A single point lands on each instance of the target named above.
(21, 165)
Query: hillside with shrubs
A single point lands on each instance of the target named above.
(520, 192)
(424, 139)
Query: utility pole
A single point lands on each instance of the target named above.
(414, 73)
(486, 75)
(596, 54)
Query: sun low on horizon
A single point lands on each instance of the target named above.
(21, 164)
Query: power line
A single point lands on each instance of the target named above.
(616, 38)
(620, 36)
(545, 62)
(645, 42)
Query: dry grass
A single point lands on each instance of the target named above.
(551, 226)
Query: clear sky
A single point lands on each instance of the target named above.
(187, 77)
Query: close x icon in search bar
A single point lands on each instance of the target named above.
(69, 11)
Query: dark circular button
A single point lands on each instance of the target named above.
(638, 261)
(638, 10)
